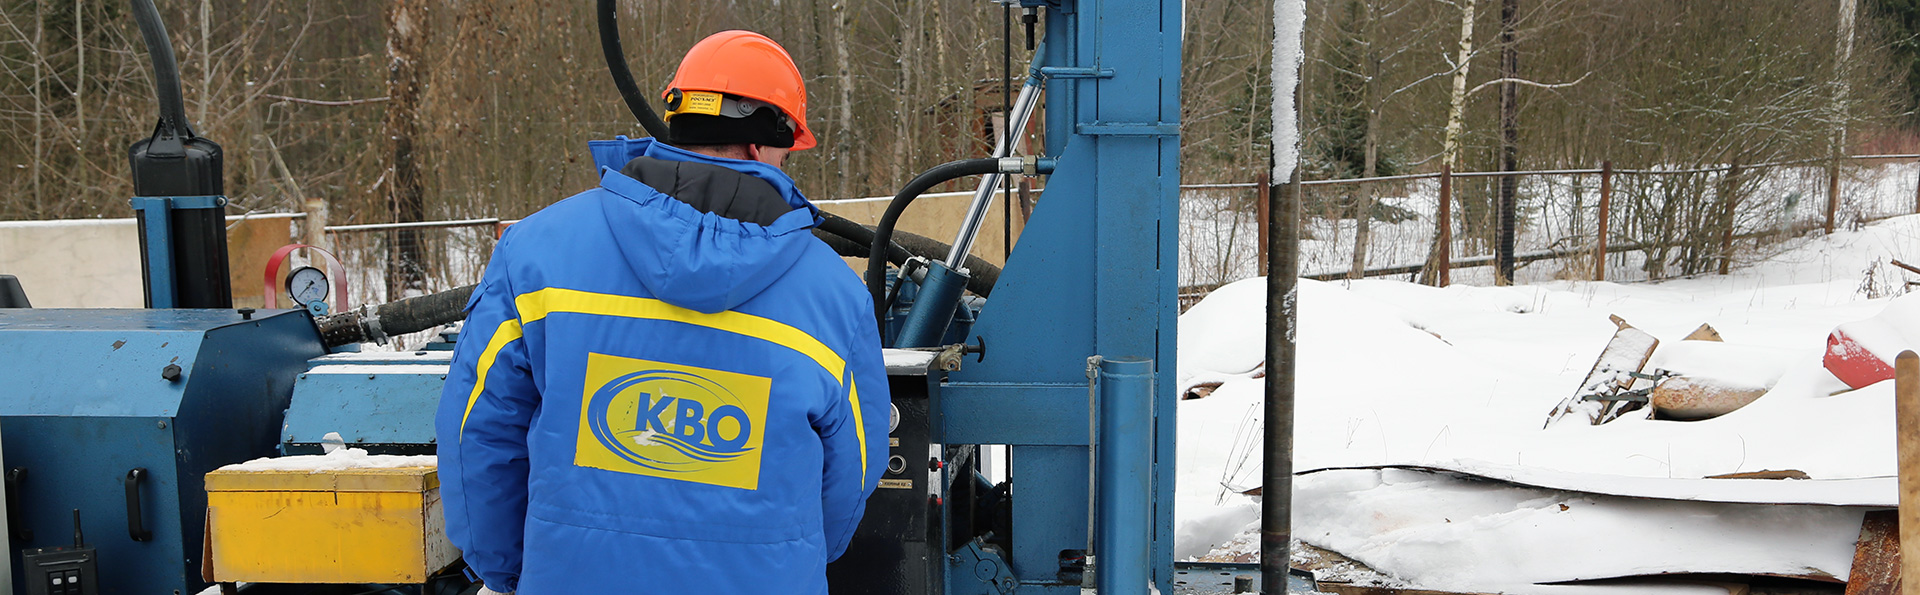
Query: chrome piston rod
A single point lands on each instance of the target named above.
(983, 197)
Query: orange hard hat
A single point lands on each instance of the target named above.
(747, 64)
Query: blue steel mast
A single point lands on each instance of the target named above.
(1095, 274)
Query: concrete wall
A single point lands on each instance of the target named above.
(95, 263)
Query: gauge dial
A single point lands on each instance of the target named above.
(307, 285)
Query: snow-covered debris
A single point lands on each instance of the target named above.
(339, 460)
(1391, 373)
(1862, 352)
(1447, 533)
(1624, 357)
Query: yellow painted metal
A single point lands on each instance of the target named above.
(348, 526)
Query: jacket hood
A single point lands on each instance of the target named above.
(688, 258)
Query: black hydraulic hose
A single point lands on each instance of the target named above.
(410, 315)
(858, 234)
(883, 233)
(166, 71)
(622, 75)
(841, 245)
(417, 314)
(981, 274)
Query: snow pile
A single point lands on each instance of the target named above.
(1895, 330)
(1728, 365)
(338, 460)
(1462, 378)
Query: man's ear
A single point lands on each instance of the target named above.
(753, 152)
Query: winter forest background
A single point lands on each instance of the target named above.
(400, 110)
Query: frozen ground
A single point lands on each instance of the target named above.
(1462, 378)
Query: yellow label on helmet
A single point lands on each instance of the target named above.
(698, 102)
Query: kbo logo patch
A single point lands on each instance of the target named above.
(672, 421)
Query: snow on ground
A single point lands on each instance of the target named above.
(1391, 373)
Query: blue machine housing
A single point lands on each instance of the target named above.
(94, 394)
(380, 401)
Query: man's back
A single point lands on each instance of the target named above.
(673, 391)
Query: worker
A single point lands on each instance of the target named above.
(667, 384)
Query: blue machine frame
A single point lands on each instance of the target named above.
(1089, 295)
(94, 394)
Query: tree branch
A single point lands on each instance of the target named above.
(1528, 83)
(324, 102)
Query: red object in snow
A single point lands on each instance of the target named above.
(1853, 363)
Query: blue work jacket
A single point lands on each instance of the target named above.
(647, 398)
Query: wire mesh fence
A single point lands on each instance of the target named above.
(1657, 223)
(422, 258)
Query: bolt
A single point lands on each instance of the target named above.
(162, 424)
(246, 313)
(170, 373)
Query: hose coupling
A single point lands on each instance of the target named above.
(370, 324)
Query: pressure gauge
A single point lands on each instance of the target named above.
(307, 285)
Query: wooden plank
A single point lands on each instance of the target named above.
(1876, 557)
(1907, 424)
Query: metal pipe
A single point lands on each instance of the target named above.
(1125, 538)
(1444, 244)
(1606, 216)
(1276, 484)
(983, 196)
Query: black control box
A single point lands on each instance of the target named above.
(61, 571)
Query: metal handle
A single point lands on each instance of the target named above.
(135, 528)
(16, 477)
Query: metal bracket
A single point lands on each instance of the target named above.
(1130, 129)
(159, 226)
(1632, 396)
(1076, 72)
(1064, 6)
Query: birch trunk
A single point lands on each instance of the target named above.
(843, 64)
(1456, 123)
(1457, 104)
(1843, 53)
(39, 106)
(1363, 219)
(902, 104)
(206, 60)
(80, 76)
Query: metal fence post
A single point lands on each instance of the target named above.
(1265, 190)
(1606, 213)
(1444, 244)
(1731, 200)
(1833, 192)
